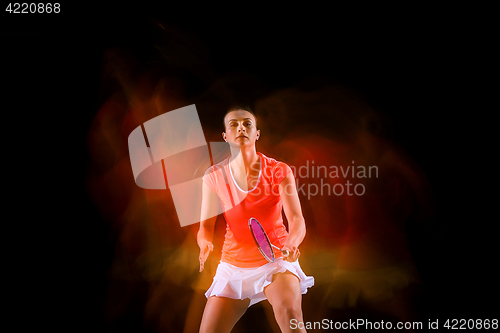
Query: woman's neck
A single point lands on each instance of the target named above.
(244, 158)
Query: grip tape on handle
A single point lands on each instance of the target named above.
(284, 252)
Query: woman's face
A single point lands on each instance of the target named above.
(241, 128)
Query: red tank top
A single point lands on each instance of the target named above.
(263, 202)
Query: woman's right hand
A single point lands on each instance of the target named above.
(205, 248)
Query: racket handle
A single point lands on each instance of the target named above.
(285, 252)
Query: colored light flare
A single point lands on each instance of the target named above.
(355, 246)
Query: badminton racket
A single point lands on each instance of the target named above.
(262, 241)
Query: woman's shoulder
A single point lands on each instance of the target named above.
(217, 166)
(215, 175)
(271, 162)
(276, 169)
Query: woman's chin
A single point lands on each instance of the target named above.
(242, 143)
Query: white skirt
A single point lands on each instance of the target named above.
(240, 283)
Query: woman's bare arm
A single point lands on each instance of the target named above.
(293, 212)
(209, 212)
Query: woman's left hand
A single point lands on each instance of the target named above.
(293, 252)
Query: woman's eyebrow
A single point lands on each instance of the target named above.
(230, 120)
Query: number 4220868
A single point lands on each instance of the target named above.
(32, 8)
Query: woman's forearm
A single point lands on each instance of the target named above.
(206, 231)
(296, 231)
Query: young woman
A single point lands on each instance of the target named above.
(249, 184)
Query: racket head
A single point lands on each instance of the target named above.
(261, 239)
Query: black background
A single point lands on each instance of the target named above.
(430, 69)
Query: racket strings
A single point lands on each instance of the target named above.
(262, 240)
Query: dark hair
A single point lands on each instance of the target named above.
(236, 108)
